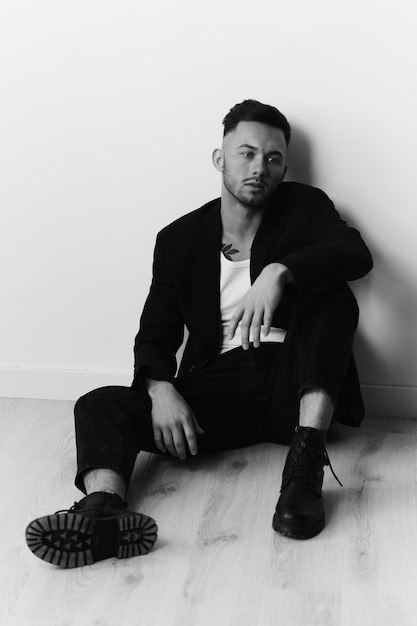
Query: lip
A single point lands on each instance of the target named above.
(255, 184)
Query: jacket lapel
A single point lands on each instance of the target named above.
(208, 271)
(267, 235)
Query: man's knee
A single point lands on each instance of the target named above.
(342, 302)
(336, 307)
(100, 396)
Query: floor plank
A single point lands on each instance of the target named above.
(217, 560)
(381, 549)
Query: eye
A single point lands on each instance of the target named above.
(248, 154)
(274, 160)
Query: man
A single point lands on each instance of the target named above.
(258, 278)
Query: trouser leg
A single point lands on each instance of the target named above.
(323, 333)
(111, 425)
(325, 327)
(315, 354)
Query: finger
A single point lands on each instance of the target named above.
(235, 319)
(197, 426)
(191, 438)
(256, 330)
(179, 443)
(267, 324)
(157, 435)
(169, 442)
(245, 330)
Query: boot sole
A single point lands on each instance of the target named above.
(74, 540)
(297, 532)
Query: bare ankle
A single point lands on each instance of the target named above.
(316, 409)
(104, 479)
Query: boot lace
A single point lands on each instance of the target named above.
(307, 455)
(74, 507)
(82, 506)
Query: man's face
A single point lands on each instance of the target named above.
(253, 163)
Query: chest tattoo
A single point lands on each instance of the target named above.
(228, 251)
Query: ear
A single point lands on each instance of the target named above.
(218, 159)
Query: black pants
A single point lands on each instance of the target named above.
(240, 398)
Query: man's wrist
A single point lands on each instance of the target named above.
(156, 386)
(283, 273)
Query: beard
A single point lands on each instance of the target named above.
(253, 197)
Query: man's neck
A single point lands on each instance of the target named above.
(240, 224)
(240, 220)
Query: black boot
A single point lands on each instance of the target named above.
(96, 528)
(299, 512)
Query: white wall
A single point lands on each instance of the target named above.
(109, 111)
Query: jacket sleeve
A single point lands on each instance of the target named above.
(161, 328)
(332, 252)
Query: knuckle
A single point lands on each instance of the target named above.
(179, 420)
(177, 438)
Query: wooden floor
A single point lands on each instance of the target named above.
(217, 561)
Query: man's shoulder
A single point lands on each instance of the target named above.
(193, 219)
(300, 191)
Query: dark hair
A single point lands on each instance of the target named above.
(254, 111)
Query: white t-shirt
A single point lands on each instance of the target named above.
(234, 283)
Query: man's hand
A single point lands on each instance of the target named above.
(259, 304)
(174, 423)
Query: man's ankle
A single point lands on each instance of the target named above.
(104, 480)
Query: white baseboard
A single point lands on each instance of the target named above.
(380, 400)
(44, 384)
(390, 401)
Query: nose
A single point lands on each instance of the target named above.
(258, 166)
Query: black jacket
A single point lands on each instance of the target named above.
(301, 229)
